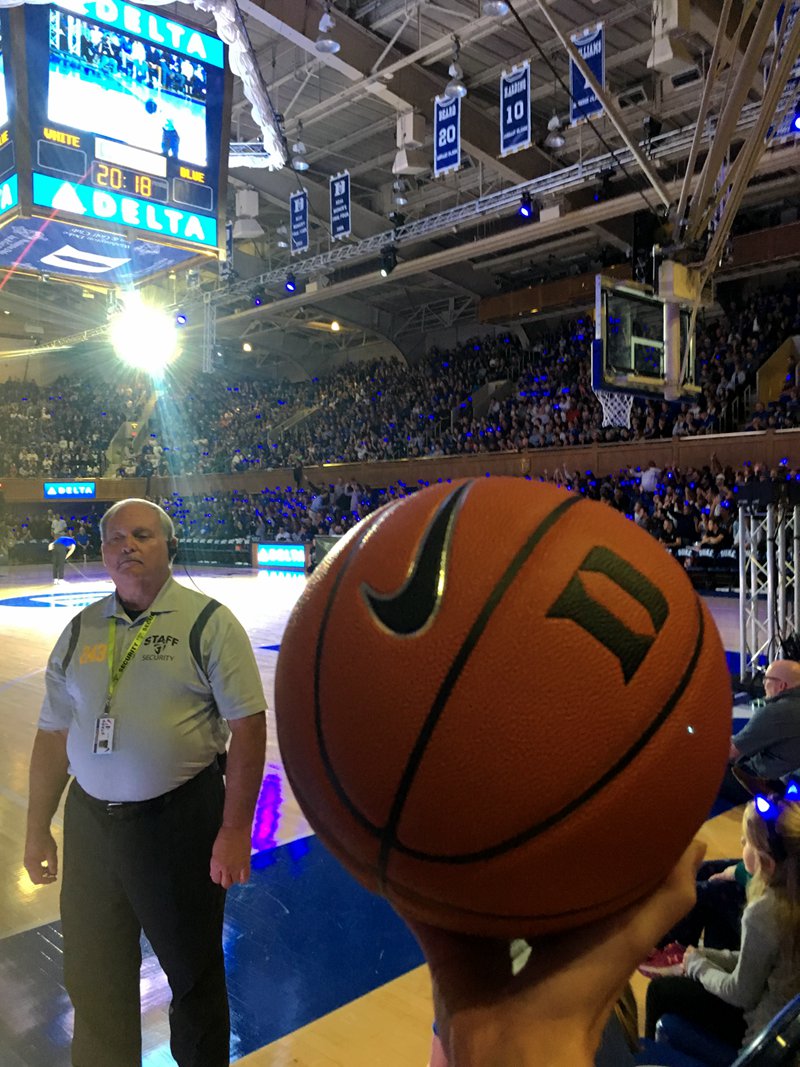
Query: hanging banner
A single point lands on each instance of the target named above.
(340, 205)
(785, 130)
(446, 134)
(515, 109)
(299, 229)
(591, 45)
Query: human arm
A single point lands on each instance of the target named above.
(230, 856)
(553, 1014)
(743, 984)
(728, 875)
(47, 780)
(70, 549)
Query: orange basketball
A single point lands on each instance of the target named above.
(503, 707)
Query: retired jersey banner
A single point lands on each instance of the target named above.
(340, 205)
(299, 216)
(583, 99)
(446, 134)
(515, 109)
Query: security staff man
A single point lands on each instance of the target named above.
(143, 691)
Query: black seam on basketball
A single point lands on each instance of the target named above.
(326, 761)
(389, 835)
(552, 820)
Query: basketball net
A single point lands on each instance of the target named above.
(616, 407)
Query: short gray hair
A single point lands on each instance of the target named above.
(167, 524)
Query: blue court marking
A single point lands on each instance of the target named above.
(301, 939)
(270, 648)
(75, 600)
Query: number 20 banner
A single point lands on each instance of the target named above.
(515, 110)
(446, 134)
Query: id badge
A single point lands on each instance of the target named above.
(103, 736)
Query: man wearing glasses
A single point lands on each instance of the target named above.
(768, 747)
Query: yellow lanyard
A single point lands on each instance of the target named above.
(115, 675)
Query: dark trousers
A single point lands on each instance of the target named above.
(59, 559)
(144, 867)
(717, 913)
(687, 998)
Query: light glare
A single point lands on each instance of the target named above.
(143, 336)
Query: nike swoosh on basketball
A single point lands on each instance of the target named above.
(411, 608)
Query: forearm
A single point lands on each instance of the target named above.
(48, 777)
(244, 771)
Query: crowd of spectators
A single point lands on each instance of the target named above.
(693, 512)
(388, 410)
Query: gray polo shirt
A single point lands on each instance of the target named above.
(169, 716)
(770, 741)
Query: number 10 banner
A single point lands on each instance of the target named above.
(515, 109)
(446, 134)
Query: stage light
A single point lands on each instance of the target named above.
(526, 206)
(397, 218)
(555, 138)
(290, 285)
(143, 336)
(652, 127)
(181, 318)
(796, 119)
(602, 189)
(325, 42)
(455, 87)
(247, 347)
(335, 326)
(388, 260)
(258, 297)
(495, 8)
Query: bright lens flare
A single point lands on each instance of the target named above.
(143, 336)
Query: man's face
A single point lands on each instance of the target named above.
(135, 547)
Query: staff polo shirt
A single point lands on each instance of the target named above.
(169, 711)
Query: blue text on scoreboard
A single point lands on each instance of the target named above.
(124, 210)
(151, 27)
(62, 490)
(285, 557)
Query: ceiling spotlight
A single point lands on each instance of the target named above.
(325, 43)
(290, 285)
(400, 200)
(335, 326)
(388, 260)
(397, 218)
(247, 347)
(528, 207)
(796, 119)
(181, 318)
(281, 243)
(455, 87)
(258, 298)
(299, 150)
(497, 8)
(602, 189)
(555, 138)
(400, 185)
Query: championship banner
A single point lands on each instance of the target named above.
(786, 129)
(299, 217)
(515, 109)
(583, 99)
(446, 134)
(340, 205)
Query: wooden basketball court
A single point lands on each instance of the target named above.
(321, 974)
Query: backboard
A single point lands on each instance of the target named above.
(640, 342)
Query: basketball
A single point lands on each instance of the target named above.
(503, 707)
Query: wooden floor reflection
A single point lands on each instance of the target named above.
(382, 1015)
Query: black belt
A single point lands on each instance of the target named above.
(133, 809)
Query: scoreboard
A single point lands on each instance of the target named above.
(125, 113)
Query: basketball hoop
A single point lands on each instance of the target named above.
(616, 407)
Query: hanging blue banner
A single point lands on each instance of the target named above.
(583, 99)
(298, 203)
(515, 109)
(340, 205)
(446, 134)
(785, 129)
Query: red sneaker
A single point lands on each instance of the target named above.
(661, 961)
